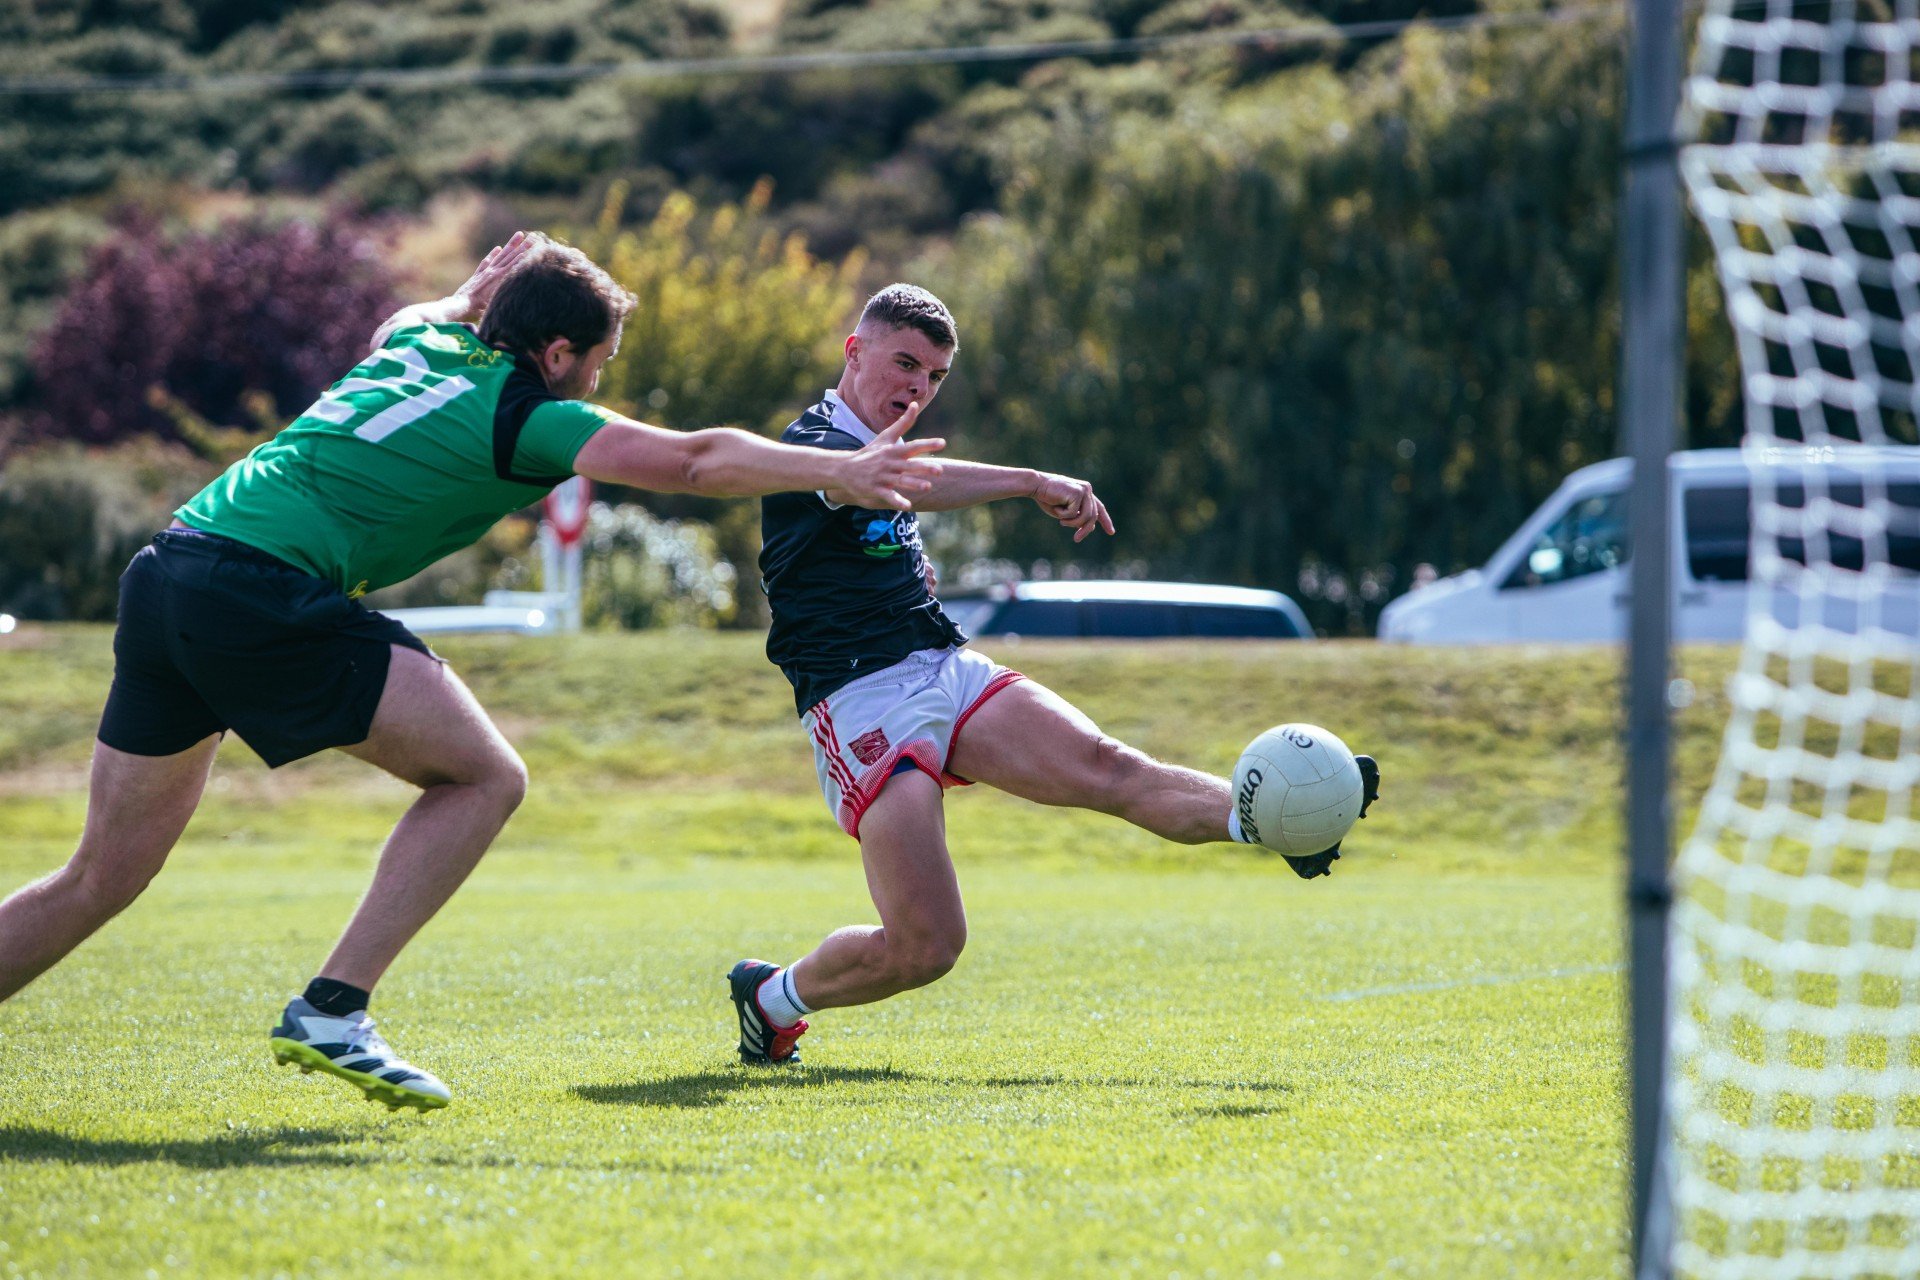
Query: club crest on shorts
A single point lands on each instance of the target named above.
(869, 747)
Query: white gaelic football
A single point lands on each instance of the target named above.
(1297, 790)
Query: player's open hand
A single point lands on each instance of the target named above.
(494, 268)
(889, 471)
(1073, 504)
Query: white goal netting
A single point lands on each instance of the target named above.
(1794, 1085)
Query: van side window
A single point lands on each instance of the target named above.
(1590, 537)
(1901, 514)
(1718, 524)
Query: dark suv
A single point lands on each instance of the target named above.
(1138, 610)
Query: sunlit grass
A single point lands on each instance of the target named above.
(1150, 1060)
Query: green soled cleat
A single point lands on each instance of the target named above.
(352, 1049)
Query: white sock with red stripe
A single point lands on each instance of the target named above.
(779, 1001)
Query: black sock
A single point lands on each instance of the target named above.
(336, 999)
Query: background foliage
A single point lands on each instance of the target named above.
(1312, 315)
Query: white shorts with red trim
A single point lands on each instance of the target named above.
(911, 711)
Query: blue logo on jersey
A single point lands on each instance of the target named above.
(881, 537)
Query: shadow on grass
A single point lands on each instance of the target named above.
(240, 1148)
(711, 1088)
(1226, 1111)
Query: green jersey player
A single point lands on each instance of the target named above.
(244, 615)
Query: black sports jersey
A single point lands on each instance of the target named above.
(847, 585)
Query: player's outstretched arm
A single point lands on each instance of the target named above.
(971, 484)
(724, 463)
(465, 304)
(968, 484)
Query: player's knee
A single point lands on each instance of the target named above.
(1112, 768)
(110, 885)
(506, 780)
(927, 956)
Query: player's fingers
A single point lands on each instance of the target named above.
(900, 425)
(894, 500)
(914, 448)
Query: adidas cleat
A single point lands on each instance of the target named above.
(1369, 782)
(1321, 864)
(762, 1043)
(352, 1049)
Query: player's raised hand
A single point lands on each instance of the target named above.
(889, 471)
(494, 268)
(1073, 503)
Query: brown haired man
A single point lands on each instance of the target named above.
(899, 708)
(244, 615)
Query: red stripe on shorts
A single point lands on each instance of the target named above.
(835, 769)
(823, 721)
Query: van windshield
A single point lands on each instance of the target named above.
(1589, 537)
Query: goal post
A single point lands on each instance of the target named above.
(1792, 1095)
(1652, 335)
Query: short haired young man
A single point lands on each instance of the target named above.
(899, 708)
(244, 615)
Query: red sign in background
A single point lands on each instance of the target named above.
(566, 509)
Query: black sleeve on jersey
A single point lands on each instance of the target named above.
(524, 391)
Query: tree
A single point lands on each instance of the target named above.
(1320, 331)
(217, 322)
(736, 323)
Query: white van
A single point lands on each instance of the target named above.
(1563, 575)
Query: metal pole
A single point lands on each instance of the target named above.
(1652, 337)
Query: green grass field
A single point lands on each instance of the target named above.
(1152, 1060)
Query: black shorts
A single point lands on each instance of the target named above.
(215, 634)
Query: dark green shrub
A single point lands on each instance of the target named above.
(71, 518)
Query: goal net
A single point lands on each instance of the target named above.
(1793, 1104)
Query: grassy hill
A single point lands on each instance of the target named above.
(1494, 759)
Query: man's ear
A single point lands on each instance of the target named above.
(852, 346)
(555, 353)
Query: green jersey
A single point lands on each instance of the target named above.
(411, 456)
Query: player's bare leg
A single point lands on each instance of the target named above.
(137, 806)
(923, 925)
(1030, 742)
(431, 731)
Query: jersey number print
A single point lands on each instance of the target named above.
(405, 397)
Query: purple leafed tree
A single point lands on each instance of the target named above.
(209, 318)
